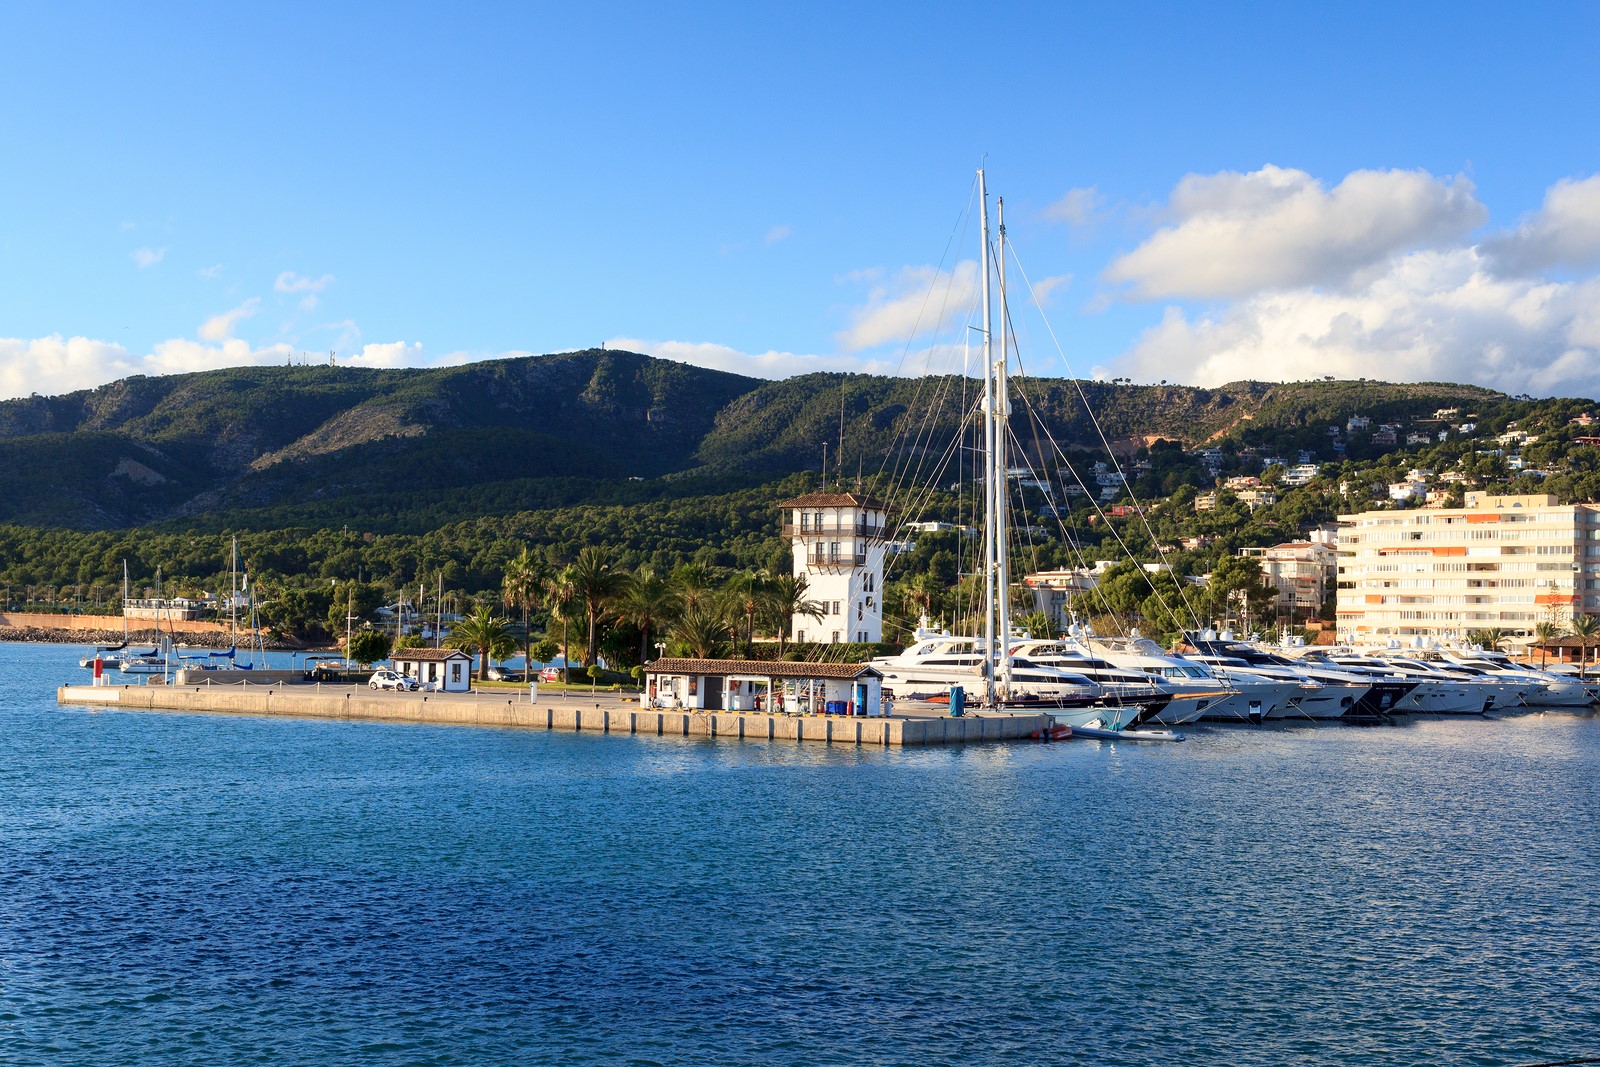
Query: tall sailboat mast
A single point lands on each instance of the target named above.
(989, 517)
(233, 599)
(1002, 422)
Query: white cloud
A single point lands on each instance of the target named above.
(1564, 232)
(1045, 287)
(53, 365)
(1236, 234)
(1077, 208)
(220, 327)
(391, 354)
(147, 257)
(771, 364)
(778, 233)
(211, 272)
(1431, 316)
(290, 282)
(916, 300)
(181, 355)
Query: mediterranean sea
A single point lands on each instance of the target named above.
(208, 889)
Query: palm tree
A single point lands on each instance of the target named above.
(1545, 633)
(1489, 638)
(693, 584)
(1587, 629)
(521, 588)
(1037, 623)
(486, 633)
(648, 600)
(786, 600)
(559, 598)
(703, 630)
(748, 594)
(596, 583)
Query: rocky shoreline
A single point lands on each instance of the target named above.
(62, 636)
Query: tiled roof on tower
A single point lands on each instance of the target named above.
(833, 500)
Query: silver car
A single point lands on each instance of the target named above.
(387, 679)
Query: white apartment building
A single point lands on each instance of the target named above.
(838, 541)
(1301, 571)
(1506, 562)
(1051, 590)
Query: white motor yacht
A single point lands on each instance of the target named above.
(1585, 677)
(1169, 704)
(936, 662)
(1225, 699)
(1434, 692)
(1508, 691)
(1323, 692)
(1539, 688)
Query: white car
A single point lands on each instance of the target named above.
(393, 680)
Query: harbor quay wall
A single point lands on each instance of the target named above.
(493, 709)
(113, 624)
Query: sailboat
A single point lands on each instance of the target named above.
(111, 657)
(1005, 681)
(155, 661)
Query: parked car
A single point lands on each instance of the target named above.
(550, 674)
(387, 679)
(505, 674)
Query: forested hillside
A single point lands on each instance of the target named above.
(398, 477)
(414, 449)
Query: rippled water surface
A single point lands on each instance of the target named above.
(180, 889)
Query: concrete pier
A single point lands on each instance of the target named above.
(503, 708)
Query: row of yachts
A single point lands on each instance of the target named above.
(1115, 683)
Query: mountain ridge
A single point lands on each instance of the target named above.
(267, 440)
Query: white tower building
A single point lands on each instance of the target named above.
(838, 545)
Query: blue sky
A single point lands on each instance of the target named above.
(1207, 192)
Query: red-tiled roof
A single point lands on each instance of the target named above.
(761, 668)
(428, 655)
(833, 500)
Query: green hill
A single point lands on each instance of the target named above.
(414, 450)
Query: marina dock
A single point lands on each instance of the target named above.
(604, 714)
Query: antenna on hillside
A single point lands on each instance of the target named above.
(331, 361)
(824, 466)
(844, 384)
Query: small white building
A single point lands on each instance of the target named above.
(764, 686)
(448, 669)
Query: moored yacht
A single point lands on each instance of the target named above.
(1166, 703)
(1431, 692)
(936, 662)
(1540, 688)
(1225, 699)
(1323, 691)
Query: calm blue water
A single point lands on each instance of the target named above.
(218, 890)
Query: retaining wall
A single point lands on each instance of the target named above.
(494, 710)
